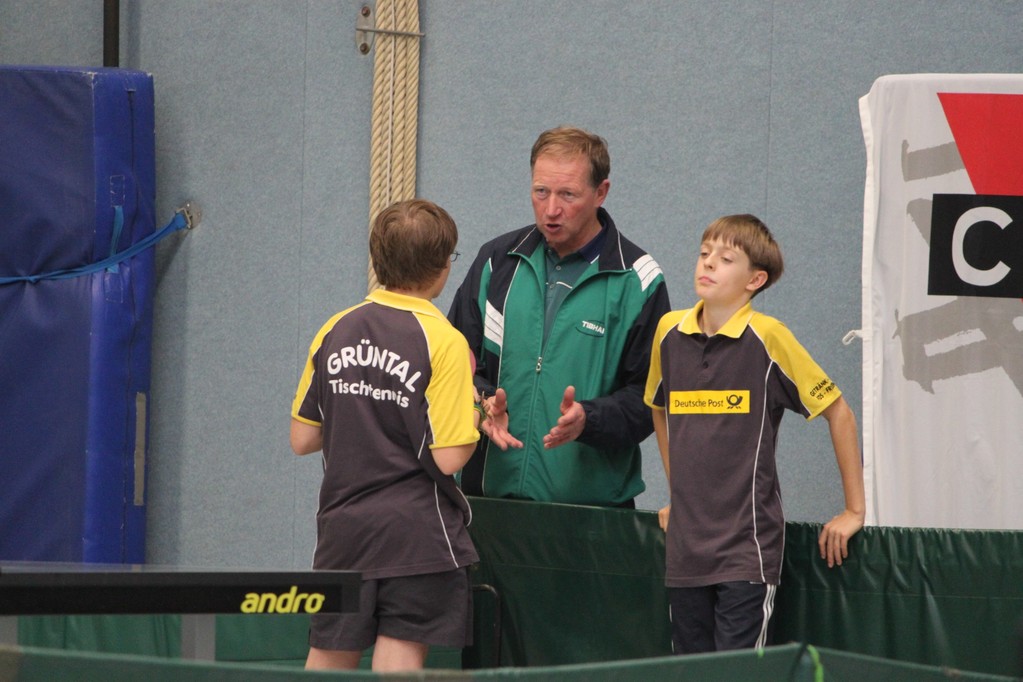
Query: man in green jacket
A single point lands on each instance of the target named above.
(561, 314)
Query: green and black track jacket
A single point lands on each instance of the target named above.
(600, 343)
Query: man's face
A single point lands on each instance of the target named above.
(565, 203)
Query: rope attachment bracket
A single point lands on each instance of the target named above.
(366, 30)
(192, 213)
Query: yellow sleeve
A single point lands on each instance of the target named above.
(449, 394)
(306, 380)
(653, 378)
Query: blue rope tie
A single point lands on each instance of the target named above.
(109, 263)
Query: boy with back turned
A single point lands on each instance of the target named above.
(387, 395)
(721, 376)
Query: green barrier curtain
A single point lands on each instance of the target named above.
(582, 584)
(791, 663)
(574, 585)
(934, 596)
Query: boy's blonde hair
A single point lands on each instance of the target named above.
(411, 243)
(749, 234)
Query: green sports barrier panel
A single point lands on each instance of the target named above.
(781, 664)
(582, 584)
(788, 663)
(842, 666)
(274, 639)
(936, 596)
(578, 585)
(143, 635)
(283, 639)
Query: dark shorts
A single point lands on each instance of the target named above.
(433, 609)
(720, 617)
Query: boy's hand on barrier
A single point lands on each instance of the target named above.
(834, 538)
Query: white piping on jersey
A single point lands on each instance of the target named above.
(436, 500)
(422, 446)
(323, 455)
(768, 609)
(467, 505)
(647, 269)
(763, 419)
(444, 529)
(756, 462)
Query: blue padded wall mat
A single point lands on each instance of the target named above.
(77, 153)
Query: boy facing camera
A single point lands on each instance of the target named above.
(721, 376)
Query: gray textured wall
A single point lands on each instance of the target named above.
(263, 115)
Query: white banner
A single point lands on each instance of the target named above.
(942, 309)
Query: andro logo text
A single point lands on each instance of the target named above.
(709, 402)
(291, 601)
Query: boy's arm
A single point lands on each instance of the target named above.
(834, 538)
(451, 459)
(661, 431)
(305, 438)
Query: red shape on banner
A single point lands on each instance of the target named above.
(988, 130)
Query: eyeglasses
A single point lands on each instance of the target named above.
(454, 256)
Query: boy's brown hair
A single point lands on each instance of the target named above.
(411, 243)
(749, 234)
(567, 141)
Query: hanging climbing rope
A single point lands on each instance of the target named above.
(395, 108)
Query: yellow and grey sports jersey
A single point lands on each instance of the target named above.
(387, 380)
(724, 397)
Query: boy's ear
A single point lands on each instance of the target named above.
(758, 280)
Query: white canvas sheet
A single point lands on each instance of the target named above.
(942, 375)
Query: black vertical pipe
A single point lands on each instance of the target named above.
(111, 33)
